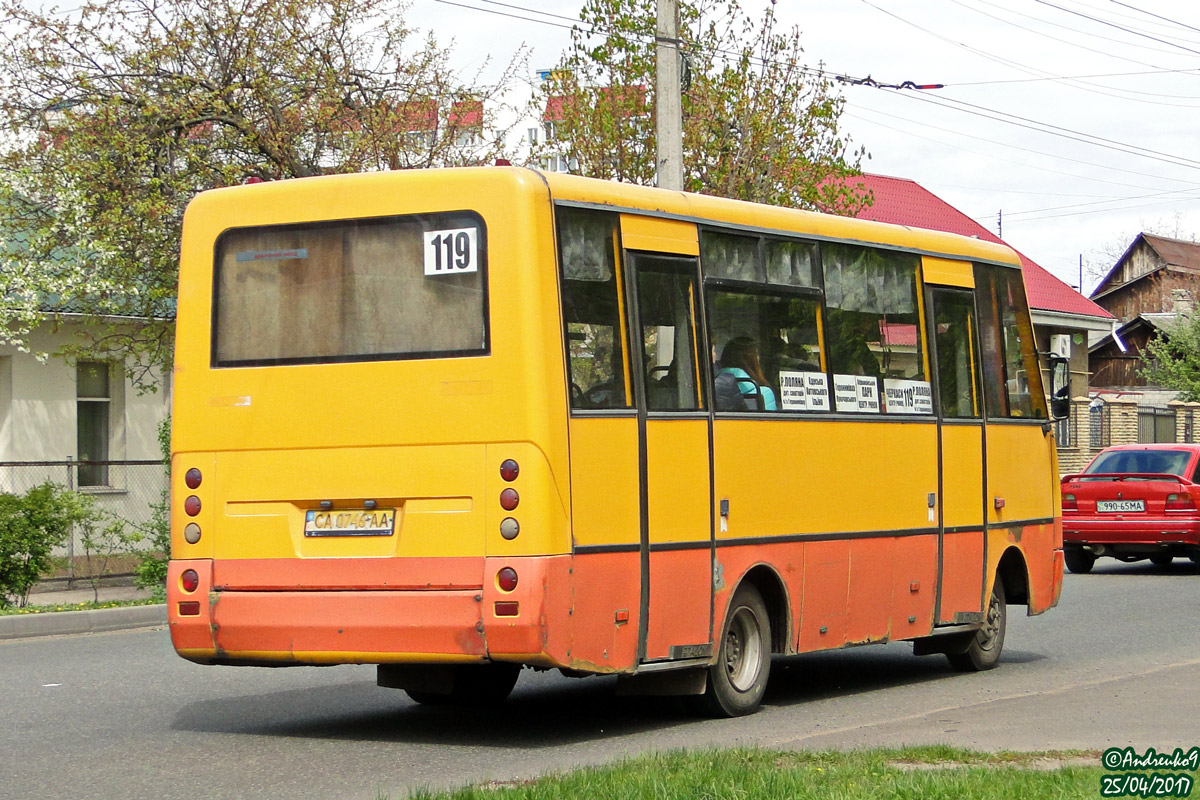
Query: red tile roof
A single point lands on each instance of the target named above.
(904, 202)
(466, 114)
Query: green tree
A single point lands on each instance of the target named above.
(1173, 358)
(113, 116)
(758, 125)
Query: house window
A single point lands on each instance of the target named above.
(93, 407)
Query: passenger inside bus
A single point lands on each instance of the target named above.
(740, 382)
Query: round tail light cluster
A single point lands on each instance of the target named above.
(506, 579)
(191, 506)
(509, 499)
(189, 580)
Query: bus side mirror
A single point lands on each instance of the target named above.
(1060, 387)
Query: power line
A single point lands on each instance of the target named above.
(1080, 77)
(1156, 16)
(1007, 61)
(1118, 27)
(1140, 173)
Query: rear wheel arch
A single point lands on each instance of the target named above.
(774, 595)
(1014, 573)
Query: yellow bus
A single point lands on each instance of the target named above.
(457, 422)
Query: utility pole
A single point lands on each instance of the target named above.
(668, 117)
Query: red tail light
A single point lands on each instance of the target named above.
(509, 499)
(1069, 503)
(506, 579)
(1180, 502)
(192, 505)
(189, 608)
(509, 470)
(192, 478)
(189, 580)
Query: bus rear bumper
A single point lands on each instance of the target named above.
(281, 628)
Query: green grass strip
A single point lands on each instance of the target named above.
(926, 773)
(77, 606)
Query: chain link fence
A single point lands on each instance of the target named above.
(131, 491)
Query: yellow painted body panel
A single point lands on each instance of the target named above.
(1020, 460)
(677, 480)
(811, 476)
(659, 235)
(947, 272)
(604, 481)
(962, 476)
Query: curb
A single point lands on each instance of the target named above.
(62, 623)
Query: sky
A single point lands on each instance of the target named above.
(1072, 124)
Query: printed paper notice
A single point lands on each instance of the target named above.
(907, 397)
(804, 391)
(857, 394)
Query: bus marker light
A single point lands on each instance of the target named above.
(506, 579)
(192, 478)
(189, 608)
(191, 533)
(507, 608)
(192, 505)
(509, 499)
(189, 580)
(509, 470)
(509, 528)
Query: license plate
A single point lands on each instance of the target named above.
(1120, 505)
(350, 522)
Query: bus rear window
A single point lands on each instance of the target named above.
(353, 290)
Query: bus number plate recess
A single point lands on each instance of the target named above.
(350, 522)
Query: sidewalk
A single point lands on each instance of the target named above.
(61, 623)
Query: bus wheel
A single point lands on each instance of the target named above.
(988, 641)
(1078, 560)
(737, 681)
(485, 684)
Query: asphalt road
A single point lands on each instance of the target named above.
(118, 715)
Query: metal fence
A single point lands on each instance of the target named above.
(127, 490)
(1156, 425)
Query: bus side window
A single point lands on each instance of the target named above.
(1012, 378)
(763, 309)
(873, 323)
(592, 309)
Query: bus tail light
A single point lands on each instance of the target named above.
(509, 499)
(506, 579)
(189, 580)
(193, 478)
(509, 470)
(1069, 503)
(189, 608)
(191, 506)
(509, 528)
(191, 533)
(1180, 502)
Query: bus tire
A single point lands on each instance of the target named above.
(482, 685)
(1078, 560)
(737, 680)
(988, 642)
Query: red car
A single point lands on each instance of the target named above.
(1133, 501)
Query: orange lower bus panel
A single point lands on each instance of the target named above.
(325, 626)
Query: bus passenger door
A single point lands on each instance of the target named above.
(677, 544)
(955, 338)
